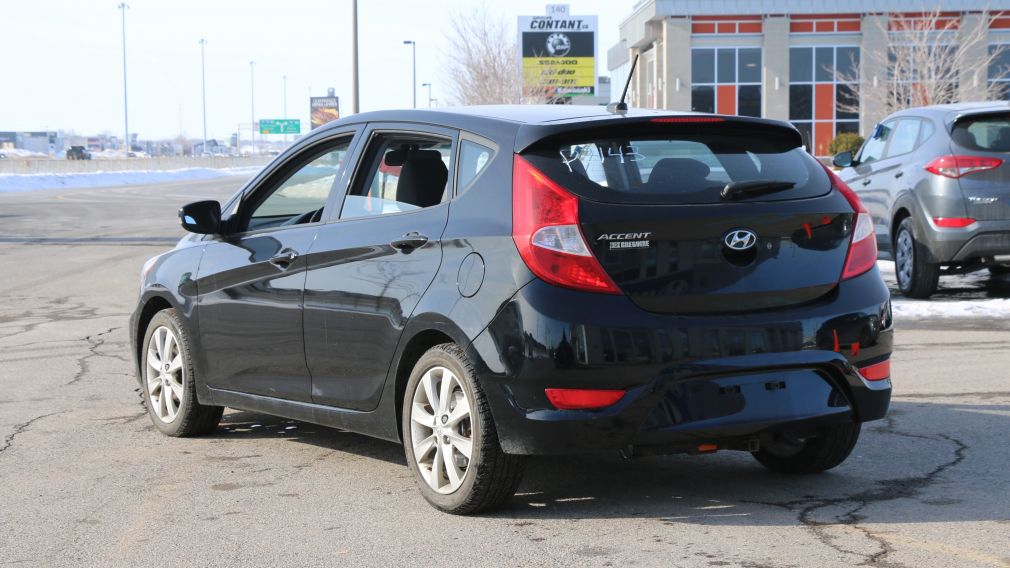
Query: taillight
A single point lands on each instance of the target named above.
(955, 167)
(862, 254)
(876, 371)
(582, 399)
(545, 228)
(953, 222)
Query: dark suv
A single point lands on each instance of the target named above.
(936, 180)
(484, 284)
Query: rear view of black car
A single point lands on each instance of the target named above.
(486, 284)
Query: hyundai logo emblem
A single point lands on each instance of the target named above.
(740, 239)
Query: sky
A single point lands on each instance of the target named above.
(61, 60)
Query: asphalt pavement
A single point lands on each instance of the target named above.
(85, 480)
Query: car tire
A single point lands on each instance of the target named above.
(917, 278)
(169, 387)
(813, 455)
(434, 430)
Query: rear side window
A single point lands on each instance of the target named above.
(403, 173)
(677, 165)
(472, 159)
(905, 135)
(987, 133)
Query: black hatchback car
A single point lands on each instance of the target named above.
(484, 284)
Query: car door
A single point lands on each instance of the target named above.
(251, 279)
(369, 267)
(867, 177)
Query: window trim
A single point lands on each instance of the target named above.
(368, 136)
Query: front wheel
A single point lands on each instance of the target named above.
(450, 439)
(170, 382)
(784, 453)
(917, 277)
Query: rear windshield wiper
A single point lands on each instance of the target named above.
(753, 188)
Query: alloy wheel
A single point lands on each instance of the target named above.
(904, 258)
(164, 373)
(441, 430)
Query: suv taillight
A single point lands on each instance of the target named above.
(955, 167)
(545, 228)
(862, 254)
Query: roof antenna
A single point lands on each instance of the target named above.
(621, 107)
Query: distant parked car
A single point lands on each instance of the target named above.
(78, 153)
(937, 182)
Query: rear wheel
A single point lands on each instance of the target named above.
(169, 381)
(917, 277)
(788, 454)
(450, 438)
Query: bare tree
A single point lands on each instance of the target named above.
(484, 61)
(925, 63)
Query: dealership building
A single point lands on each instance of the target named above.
(784, 59)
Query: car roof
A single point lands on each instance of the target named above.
(950, 113)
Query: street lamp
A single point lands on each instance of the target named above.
(252, 107)
(126, 109)
(203, 85)
(354, 56)
(413, 82)
(429, 92)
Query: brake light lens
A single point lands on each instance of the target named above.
(862, 255)
(545, 228)
(955, 167)
(953, 222)
(877, 371)
(582, 399)
(686, 119)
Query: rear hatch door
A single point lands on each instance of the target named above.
(652, 211)
(986, 191)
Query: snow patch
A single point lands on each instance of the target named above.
(962, 296)
(34, 182)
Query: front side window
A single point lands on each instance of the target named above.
(401, 173)
(873, 149)
(302, 194)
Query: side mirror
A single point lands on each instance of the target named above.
(843, 160)
(201, 217)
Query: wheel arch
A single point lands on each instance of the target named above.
(151, 306)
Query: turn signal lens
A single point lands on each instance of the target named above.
(877, 371)
(582, 399)
(953, 222)
(545, 228)
(862, 254)
(955, 167)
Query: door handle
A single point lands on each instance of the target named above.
(899, 174)
(284, 258)
(409, 242)
(866, 181)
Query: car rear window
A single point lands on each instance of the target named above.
(988, 132)
(678, 165)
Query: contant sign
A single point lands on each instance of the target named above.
(558, 54)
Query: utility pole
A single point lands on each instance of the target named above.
(126, 108)
(203, 84)
(429, 92)
(413, 80)
(354, 57)
(252, 107)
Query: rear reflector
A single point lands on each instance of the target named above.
(545, 228)
(953, 222)
(686, 119)
(862, 254)
(582, 399)
(876, 371)
(958, 166)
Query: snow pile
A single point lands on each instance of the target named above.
(962, 296)
(34, 182)
(19, 153)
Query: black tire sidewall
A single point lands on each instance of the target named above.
(168, 318)
(437, 357)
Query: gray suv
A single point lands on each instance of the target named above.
(936, 181)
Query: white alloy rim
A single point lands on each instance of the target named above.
(441, 430)
(165, 378)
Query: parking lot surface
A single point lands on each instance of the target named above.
(85, 480)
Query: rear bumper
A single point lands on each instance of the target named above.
(688, 380)
(981, 240)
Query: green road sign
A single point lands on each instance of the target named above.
(280, 126)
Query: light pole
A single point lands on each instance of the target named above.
(203, 86)
(252, 107)
(413, 81)
(429, 92)
(354, 56)
(126, 109)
